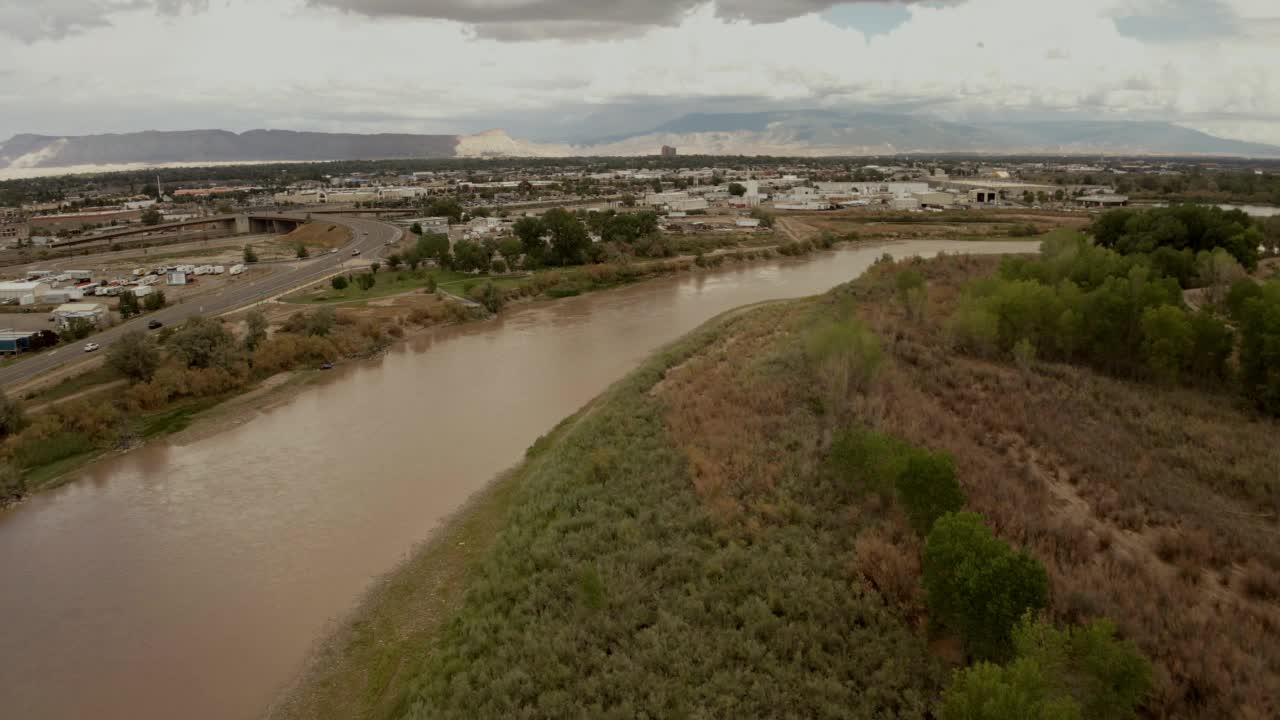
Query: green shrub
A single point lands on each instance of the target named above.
(13, 418)
(44, 451)
(979, 586)
(1107, 677)
(12, 483)
(563, 291)
(928, 489)
(846, 356)
(868, 461)
(1080, 672)
(986, 691)
(1260, 348)
(911, 291)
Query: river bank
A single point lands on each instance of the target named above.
(261, 535)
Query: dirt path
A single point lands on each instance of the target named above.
(75, 396)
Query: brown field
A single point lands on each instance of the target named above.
(1155, 507)
(318, 234)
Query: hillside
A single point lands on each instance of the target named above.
(714, 537)
(821, 132)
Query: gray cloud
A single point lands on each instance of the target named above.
(32, 20)
(579, 19)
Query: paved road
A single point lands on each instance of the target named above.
(370, 236)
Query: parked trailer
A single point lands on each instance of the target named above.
(12, 343)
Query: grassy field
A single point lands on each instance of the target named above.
(389, 282)
(463, 287)
(100, 375)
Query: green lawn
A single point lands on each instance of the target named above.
(389, 282)
(463, 286)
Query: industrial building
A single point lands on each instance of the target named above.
(678, 201)
(1102, 201)
(434, 225)
(93, 312)
(936, 199)
(884, 190)
(24, 292)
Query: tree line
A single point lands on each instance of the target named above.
(1123, 310)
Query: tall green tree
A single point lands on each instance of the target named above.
(156, 300)
(1260, 348)
(256, 328)
(979, 586)
(1167, 341)
(128, 304)
(532, 233)
(134, 356)
(204, 343)
(569, 239)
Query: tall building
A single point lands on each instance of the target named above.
(668, 151)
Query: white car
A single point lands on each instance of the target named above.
(91, 347)
(355, 252)
(333, 251)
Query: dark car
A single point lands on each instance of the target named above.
(155, 325)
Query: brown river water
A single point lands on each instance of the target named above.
(190, 581)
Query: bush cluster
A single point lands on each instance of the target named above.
(1079, 302)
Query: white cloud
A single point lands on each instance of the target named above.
(286, 63)
(32, 20)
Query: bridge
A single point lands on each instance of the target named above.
(219, 225)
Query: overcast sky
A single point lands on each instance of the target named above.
(543, 66)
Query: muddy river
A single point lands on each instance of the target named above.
(190, 581)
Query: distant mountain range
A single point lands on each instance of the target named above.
(819, 132)
(799, 133)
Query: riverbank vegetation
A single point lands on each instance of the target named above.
(841, 507)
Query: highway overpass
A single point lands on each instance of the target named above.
(242, 224)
